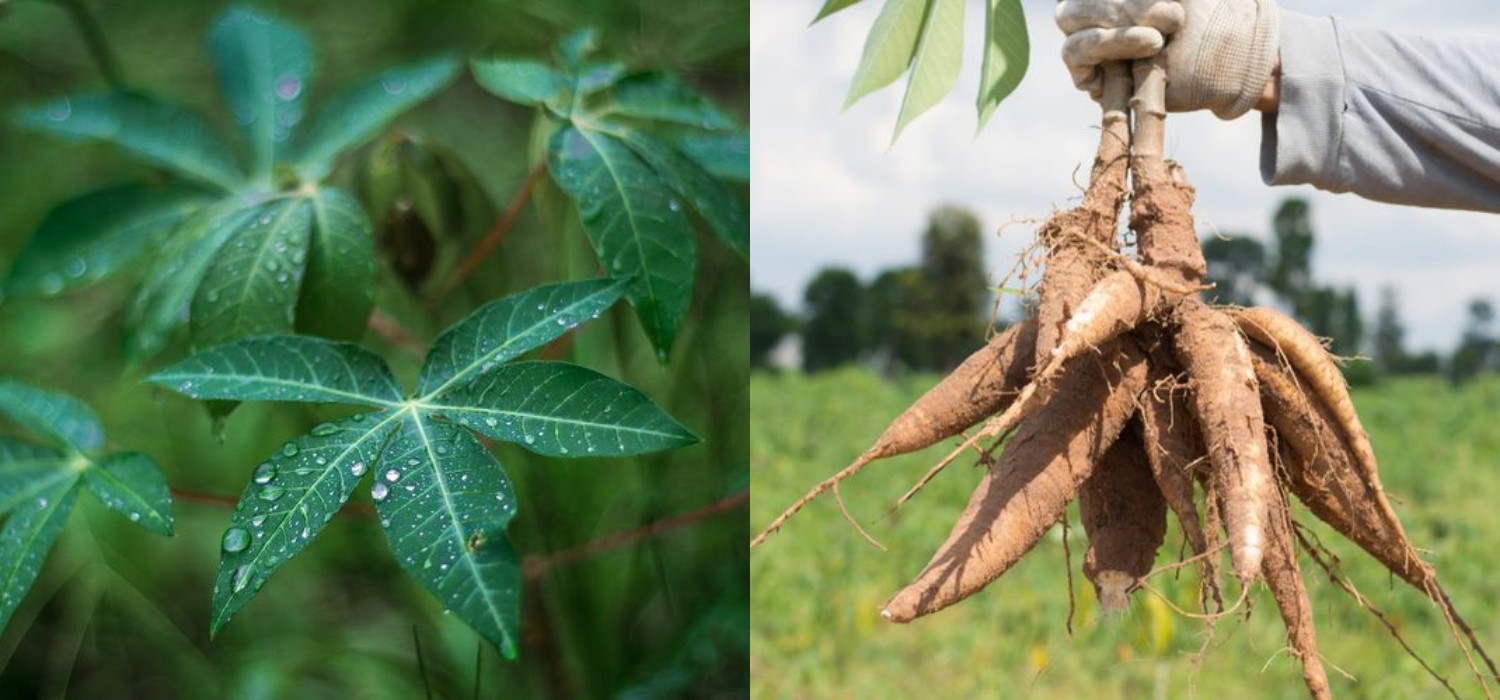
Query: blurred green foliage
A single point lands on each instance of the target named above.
(817, 587)
(122, 614)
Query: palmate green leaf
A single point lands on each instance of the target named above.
(291, 496)
(509, 326)
(131, 484)
(26, 539)
(936, 62)
(637, 227)
(1007, 53)
(26, 470)
(361, 111)
(55, 416)
(663, 98)
(725, 213)
(252, 285)
(161, 305)
(445, 503)
(263, 66)
(563, 410)
(724, 154)
(832, 6)
(164, 134)
(519, 80)
(283, 368)
(889, 47)
(338, 287)
(96, 235)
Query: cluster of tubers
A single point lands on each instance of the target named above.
(1131, 395)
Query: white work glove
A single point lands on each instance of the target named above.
(1218, 53)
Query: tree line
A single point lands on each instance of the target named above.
(929, 316)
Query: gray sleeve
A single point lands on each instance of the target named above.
(1393, 117)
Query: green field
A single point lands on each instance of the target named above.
(817, 587)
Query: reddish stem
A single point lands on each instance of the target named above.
(495, 234)
(539, 566)
(386, 326)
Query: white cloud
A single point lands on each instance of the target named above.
(829, 189)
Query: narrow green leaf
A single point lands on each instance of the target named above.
(26, 470)
(637, 227)
(251, 286)
(577, 45)
(833, 6)
(725, 213)
(509, 326)
(283, 368)
(131, 484)
(96, 235)
(562, 410)
(1007, 53)
(291, 496)
(662, 97)
(445, 503)
(595, 76)
(889, 47)
(263, 66)
(360, 112)
(58, 417)
(519, 80)
(27, 538)
(161, 305)
(338, 289)
(935, 64)
(164, 134)
(725, 155)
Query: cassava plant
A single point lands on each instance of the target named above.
(271, 266)
(1128, 394)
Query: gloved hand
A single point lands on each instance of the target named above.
(1218, 54)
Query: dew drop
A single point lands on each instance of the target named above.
(236, 539)
(320, 461)
(531, 439)
(561, 322)
(265, 218)
(358, 417)
(288, 87)
(60, 110)
(77, 267)
(392, 475)
(491, 422)
(379, 491)
(282, 278)
(41, 503)
(258, 521)
(325, 430)
(289, 449)
(674, 205)
(394, 85)
(241, 578)
(442, 449)
(562, 450)
(591, 448)
(185, 387)
(51, 284)
(413, 462)
(357, 469)
(271, 493)
(272, 266)
(135, 517)
(264, 473)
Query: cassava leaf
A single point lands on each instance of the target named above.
(164, 134)
(27, 470)
(55, 416)
(96, 235)
(283, 368)
(251, 286)
(358, 114)
(291, 496)
(263, 66)
(19, 453)
(519, 80)
(338, 288)
(559, 409)
(1007, 53)
(509, 326)
(889, 47)
(725, 213)
(161, 305)
(445, 503)
(131, 484)
(724, 154)
(27, 538)
(832, 6)
(637, 227)
(663, 98)
(936, 62)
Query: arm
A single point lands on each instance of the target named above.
(1392, 117)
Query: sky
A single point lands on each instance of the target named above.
(828, 188)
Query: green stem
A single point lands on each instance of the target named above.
(94, 39)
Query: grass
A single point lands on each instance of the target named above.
(817, 587)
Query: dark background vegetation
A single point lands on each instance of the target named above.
(120, 613)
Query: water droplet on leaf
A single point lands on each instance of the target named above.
(325, 430)
(241, 578)
(392, 475)
(379, 491)
(264, 473)
(357, 469)
(271, 493)
(236, 539)
(394, 85)
(60, 110)
(289, 449)
(288, 87)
